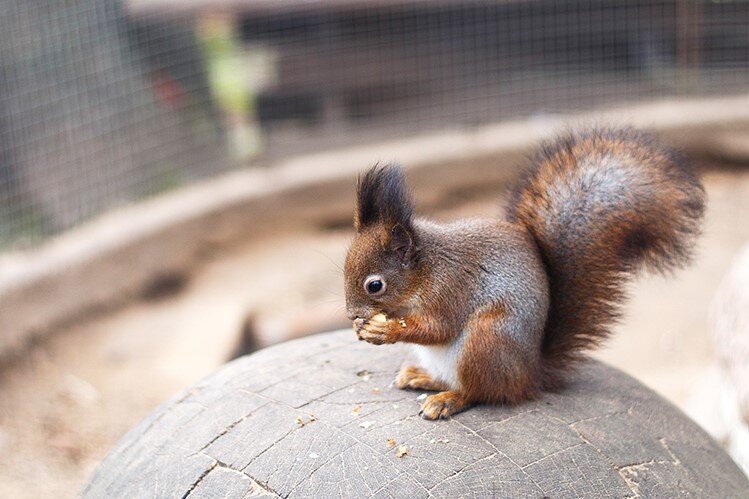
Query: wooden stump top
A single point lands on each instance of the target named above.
(318, 417)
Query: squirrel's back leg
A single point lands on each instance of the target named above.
(494, 367)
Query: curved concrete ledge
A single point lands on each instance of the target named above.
(317, 417)
(113, 258)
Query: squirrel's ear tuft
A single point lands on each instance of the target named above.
(382, 197)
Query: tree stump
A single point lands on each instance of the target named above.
(318, 417)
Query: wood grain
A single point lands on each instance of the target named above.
(313, 418)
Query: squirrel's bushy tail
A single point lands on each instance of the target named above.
(601, 205)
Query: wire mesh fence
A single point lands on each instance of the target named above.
(104, 102)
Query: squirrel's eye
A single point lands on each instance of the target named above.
(374, 285)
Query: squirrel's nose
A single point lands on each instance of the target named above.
(356, 312)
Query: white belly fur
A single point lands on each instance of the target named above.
(440, 362)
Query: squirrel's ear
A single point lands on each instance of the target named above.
(382, 197)
(401, 242)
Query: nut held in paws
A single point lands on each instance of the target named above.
(380, 318)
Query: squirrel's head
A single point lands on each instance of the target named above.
(382, 263)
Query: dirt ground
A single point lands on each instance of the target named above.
(66, 403)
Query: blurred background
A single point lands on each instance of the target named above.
(176, 181)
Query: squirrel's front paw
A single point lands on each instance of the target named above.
(379, 330)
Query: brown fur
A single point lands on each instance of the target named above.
(423, 329)
(590, 249)
(368, 255)
(524, 298)
(494, 368)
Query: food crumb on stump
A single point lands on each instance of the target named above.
(301, 422)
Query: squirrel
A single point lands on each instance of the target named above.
(499, 310)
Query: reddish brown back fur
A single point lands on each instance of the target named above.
(601, 205)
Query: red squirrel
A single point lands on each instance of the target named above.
(499, 310)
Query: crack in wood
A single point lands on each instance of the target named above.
(600, 416)
(328, 425)
(256, 488)
(552, 454)
(633, 486)
(458, 471)
(491, 444)
(676, 461)
(319, 399)
(200, 479)
(629, 472)
(230, 427)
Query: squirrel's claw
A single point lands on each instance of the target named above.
(375, 338)
(358, 324)
(443, 405)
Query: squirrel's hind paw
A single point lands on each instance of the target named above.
(443, 405)
(416, 378)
